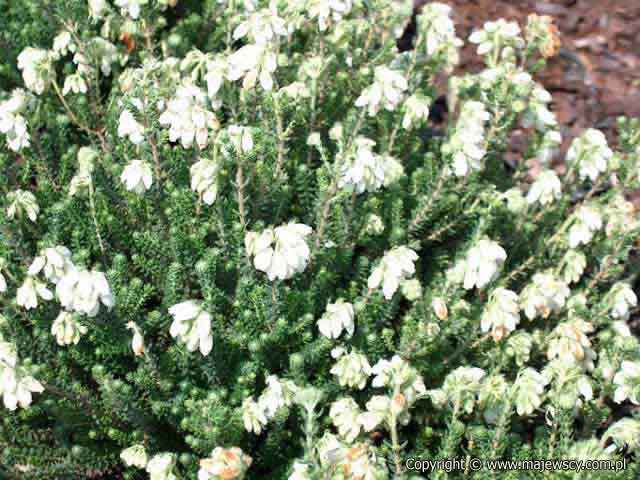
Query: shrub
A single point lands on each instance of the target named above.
(237, 241)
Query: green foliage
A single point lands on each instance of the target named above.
(166, 244)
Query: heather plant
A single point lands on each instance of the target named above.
(238, 243)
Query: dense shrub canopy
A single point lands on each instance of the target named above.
(254, 239)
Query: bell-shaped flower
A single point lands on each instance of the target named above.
(83, 291)
(28, 293)
(192, 326)
(386, 91)
(135, 456)
(280, 252)
(67, 329)
(338, 317)
(501, 316)
(22, 203)
(225, 463)
(396, 266)
(253, 62)
(137, 176)
(137, 341)
(128, 126)
(204, 179)
(53, 262)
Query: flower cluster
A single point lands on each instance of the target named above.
(280, 252)
(13, 124)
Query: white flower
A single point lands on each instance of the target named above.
(137, 342)
(569, 343)
(622, 297)
(548, 147)
(67, 330)
(546, 294)
(204, 179)
(280, 252)
(314, 139)
(386, 91)
(74, 83)
(240, 138)
(435, 23)
(542, 33)
(96, 8)
(344, 415)
(352, 370)
(36, 69)
(397, 375)
(573, 265)
(12, 122)
(82, 291)
(620, 214)
(545, 189)
(568, 383)
(497, 35)
(28, 293)
(82, 178)
(54, 262)
(482, 264)
(253, 62)
(278, 394)
(325, 10)
(224, 464)
(378, 409)
(393, 170)
(8, 356)
(588, 222)
(131, 7)
(625, 434)
(538, 114)
(160, 467)
(529, 389)
(308, 398)
(63, 43)
(20, 203)
(362, 462)
(134, 456)
(396, 265)
(628, 382)
(363, 169)
(128, 126)
(338, 317)
(460, 388)
(300, 471)
(192, 325)
(137, 176)
(416, 110)
(262, 26)
(253, 416)
(440, 308)
(16, 386)
(502, 313)
(411, 289)
(216, 73)
(374, 225)
(590, 153)
(105, 51)
(188, 117)
(330, 449)
(466, 146)
(295, 91)
(516, 202)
